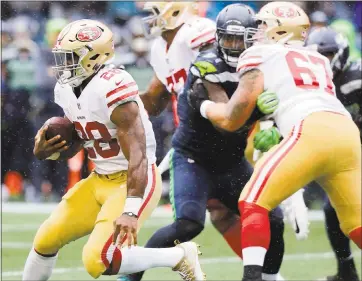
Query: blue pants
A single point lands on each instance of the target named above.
(191, 185)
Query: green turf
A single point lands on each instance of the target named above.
(295, 267)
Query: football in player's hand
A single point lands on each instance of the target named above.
(65, 128)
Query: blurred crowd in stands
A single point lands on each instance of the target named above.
(28, 33)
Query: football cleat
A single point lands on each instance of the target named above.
(189, 267)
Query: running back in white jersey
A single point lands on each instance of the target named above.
(91, 113)
(171, 64)
(301, 78)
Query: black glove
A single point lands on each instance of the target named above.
(196, 95)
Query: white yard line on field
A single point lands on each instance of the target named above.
(159, 212)
(290, 257)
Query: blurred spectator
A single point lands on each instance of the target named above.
(318, 19)
(21, 71)
(348, 30)
(48, 176)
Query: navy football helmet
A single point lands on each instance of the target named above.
(231, 23)
(330, 44)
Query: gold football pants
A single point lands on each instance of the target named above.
(90, 207)
(325, 147)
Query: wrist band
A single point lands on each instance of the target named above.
(54, 156)
(203, 107)
(133, 205)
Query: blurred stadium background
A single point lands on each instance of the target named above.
(28, 32)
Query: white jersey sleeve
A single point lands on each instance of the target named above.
(120, 89)
(201, 32)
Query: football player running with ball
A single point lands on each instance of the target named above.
(321, 141)
(347, 77)
(114, 201)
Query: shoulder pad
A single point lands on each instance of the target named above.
(205, 67)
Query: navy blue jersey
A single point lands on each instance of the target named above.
(349, 89)
(196, 136)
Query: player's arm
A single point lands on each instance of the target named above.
(216, 92)
(156, 97)
(232, 115)
(131, 136)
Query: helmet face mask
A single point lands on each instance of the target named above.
(82, 48)
(231, 42)
(68, 68)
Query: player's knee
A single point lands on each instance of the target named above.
(221, 216)
(46, 240)
(92, 261)
(187, 229)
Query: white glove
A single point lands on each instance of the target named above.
(296, 213)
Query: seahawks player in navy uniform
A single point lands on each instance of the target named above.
(208, 167)
(347, 77)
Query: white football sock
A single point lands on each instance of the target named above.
(254, 256)
(273, 277)
(136, 259)
(37, 267)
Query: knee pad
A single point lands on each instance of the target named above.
(187, 229)
(191, 210)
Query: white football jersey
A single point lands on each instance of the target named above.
(171, 64)
(91, 112)
(301, 78)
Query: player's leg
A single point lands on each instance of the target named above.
(100, 256)
(229, 188)
(189, 184)
(341, 246)
(277, 175)
(343, 180)
(73, 218)
(344, 190)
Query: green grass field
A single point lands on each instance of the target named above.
(306, 260)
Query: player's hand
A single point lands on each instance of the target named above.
(296, 213)
(266, 139)
(267, 102)
(196, 95)
(45, 148)
(125, 225)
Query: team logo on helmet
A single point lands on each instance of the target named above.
(285, 12)
(89, 34)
